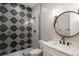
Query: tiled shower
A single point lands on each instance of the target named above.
(15, 29)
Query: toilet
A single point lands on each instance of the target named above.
(36, 52)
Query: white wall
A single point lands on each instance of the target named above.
(48, 11)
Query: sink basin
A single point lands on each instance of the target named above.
(53, 42)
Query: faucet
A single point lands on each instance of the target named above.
(63, 39)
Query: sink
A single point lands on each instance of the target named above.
(72, 49)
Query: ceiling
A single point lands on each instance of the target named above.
(30, 4)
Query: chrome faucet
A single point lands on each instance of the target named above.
(63, 40)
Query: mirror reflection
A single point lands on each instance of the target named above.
(67, 23)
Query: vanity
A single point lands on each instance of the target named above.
(66, 26)
(54, 48)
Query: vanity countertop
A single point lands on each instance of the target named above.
(72, 50)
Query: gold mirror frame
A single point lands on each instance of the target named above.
(56, 18)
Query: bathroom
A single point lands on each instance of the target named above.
(30, 29)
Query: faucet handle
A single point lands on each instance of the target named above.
(60, 41)
(68, 43)
(63, 40)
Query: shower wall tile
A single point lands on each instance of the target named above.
(22, 14)
(3, 18)
(29, 15)
(9, 49)
(14, 5)
(22, 28)
(13, 28)
(13, 44)
(18, 47)
(22, 21)
(3, 37)
(8, 41)
(13, 12)
(22, 7)
(3, 27)
(29, 28)
(29, 9)
(3, 53)
(8, 15)
(29, 35)
(8, 7)
(15, 34)
(3, 46)
(3, 9)
(22, 35)
(29, 41)
(22, 42)
(25, 17)
(0, 13)
(14, 50)
(13, 20)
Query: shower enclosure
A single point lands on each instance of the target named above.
(15, 27)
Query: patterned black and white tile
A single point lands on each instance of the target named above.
(14, 34)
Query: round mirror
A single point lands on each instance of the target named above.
(66, 24)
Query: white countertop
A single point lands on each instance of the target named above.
(72, 50)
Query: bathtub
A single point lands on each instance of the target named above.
(24, 52)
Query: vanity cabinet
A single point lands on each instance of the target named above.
(49, 51)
